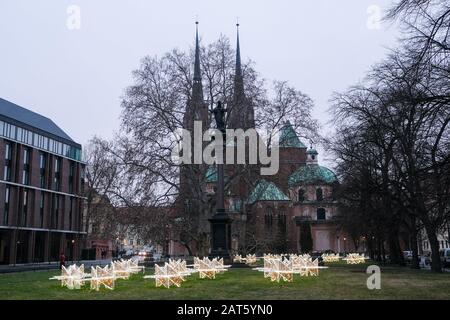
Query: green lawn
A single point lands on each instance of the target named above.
(338, 282)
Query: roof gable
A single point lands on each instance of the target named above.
(266, 191)
(30, 118)
(288, 137)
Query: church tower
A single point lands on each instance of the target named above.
(197, 109)
(191, 175)
(312, 157)
(242, 114)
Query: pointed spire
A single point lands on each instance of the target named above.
(238, 80)
(242, 114)
(196, 108)
(197, 73)
(238, 54)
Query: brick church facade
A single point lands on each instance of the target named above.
(291, 211)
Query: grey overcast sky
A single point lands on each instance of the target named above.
(77, 76)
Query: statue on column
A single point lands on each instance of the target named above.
(219, 116)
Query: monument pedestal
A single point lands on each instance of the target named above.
(221, 236)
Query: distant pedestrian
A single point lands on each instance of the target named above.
(62, 260)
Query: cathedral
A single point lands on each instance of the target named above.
(292, 211)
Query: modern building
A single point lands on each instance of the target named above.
(41, 187)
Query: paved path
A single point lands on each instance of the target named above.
(49, 266)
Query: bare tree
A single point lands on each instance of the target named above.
(153, 109)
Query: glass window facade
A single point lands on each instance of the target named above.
(41, 209)
(36, 140)
(6, 206)
(7, 167)
(42, 165)
(26, 166)
(57, 179)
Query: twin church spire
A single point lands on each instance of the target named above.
(241, 113)
(197, 72)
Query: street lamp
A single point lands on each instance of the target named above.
(345, 245)
(220, 222)
(73, 251)
(17, 248)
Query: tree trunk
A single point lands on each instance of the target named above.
(371, 249)
(395, 254)
(383, 252)
(188, 248)
(436, 264)
(379, 251)
(415, 252)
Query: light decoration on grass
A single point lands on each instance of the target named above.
(281, 270)
(121, 269)
(250, 259)
(208, 268)
(237, 258)
(172, 273)
(134, 267)
(355, 258)
(175, 271)
(277, 267)
(167, 276)
(72, 277)
(102, 276)
(330, 257)
(311, 268)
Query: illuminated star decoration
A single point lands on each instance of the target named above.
(72, 277)
(250, 259)
(355, 258)
(168, 275)
(134, 267)
(172, 273)
(102, 276)
(121, 269)
(237, 258)
(330, 257)
(277, 267)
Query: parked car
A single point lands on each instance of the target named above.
(425, 260)
(157, 256)
(445, 257)
(144, 253)
(407, 255)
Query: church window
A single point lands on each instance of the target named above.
(301, 195)
(319, 194)
(321, 214)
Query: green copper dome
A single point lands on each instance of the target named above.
(266, 191)
(311, 174)
(288, 137)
